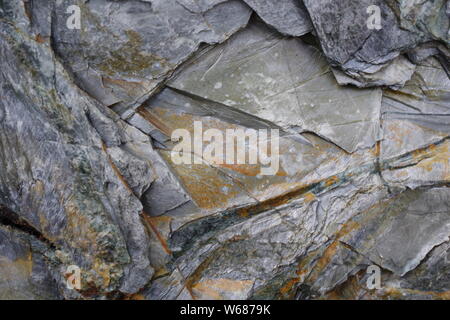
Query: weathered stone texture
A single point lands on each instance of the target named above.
(88, 176)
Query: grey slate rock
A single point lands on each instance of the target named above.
(87, 176)
(289, 17)
(360, 52)
(258, 70)
(126, 49)
(56, 174)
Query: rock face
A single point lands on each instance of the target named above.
(257, 69)
(128, 48)
(289, 17)
(352, 165)
(366, 49)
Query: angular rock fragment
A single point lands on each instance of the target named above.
(429, 17)
(373, 238)
(433, 274)
(159, 233)
(416, 126)
(419, 284)
(393, 75)
(125, 49)
(135, 171)
(56, 173)
(199, 6)
(214, 185)
(341, 263)
(257, 72)
(166, 193)
(166, 288)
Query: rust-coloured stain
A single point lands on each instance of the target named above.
(394, 293)
(330, 252)
(152, 223)
(310, 197)
(331, 181)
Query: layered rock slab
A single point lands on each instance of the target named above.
(366, 53)
(258, 71)
(214, 185)
(74, 171)
(125, 49)
(57, 174)
(270, 244)
(416, 129)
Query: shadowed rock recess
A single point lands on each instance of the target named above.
(88, 178)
